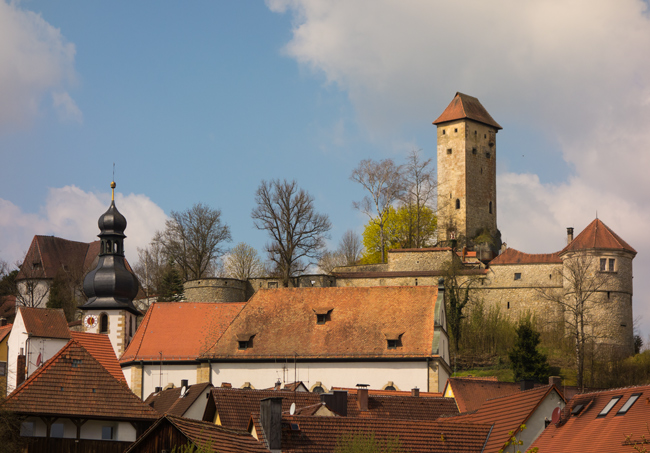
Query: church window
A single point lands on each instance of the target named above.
(517, 275)
(103, 323)
(449, 151)
(490, 207)
(457, 203)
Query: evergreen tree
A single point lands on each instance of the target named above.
(171, 286)
(526, 361)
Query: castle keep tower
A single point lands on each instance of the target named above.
(467, 192)
(111, 286)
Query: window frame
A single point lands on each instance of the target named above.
(629, 403)
(609, 406)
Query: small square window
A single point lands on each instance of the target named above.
(449, 151)
(27, 429)
(443, 132)
(487, 155)
(321, 319)
(56, 430)
(517, 275)
(76, 363)
(392, 344)
(107, 433)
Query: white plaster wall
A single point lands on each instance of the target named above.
(113, 319)
(47, 347)
(126, 371)
(17, 339)
(39, 293)
(535, 424)
(405, 375)
(171, 374)
(196, 410)
(92, 429)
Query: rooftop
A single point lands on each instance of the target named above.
(597, 235)
(512, 256)
(45, 322)
(100, 347)
(464, 106)
(170, 401)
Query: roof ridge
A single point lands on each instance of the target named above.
(143, 326)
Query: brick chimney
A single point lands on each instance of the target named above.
(20, 369)
(569, 235)
(362, 397)
(271, 421)
(226, 385)
(415, 391)
(555, 380)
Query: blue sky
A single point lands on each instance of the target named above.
(200, 101)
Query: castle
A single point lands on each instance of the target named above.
(516, 282)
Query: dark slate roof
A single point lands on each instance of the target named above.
(170, 401)
(45, 322)
(466, 107)
(74, 384)
(597, 235)
(200, 433)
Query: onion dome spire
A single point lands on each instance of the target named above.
(111, 285)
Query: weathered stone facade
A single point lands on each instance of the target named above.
(215, 290)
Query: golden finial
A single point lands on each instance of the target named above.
(113, 190)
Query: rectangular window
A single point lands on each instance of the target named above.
(603, 264)
(56, 430)
(443, 132)
(273, 284)
(449, 151)
(474, 151)
(517, 275)
(392, 344)
(609, 406)
(243, 344)
(611, 265)
(3, 368)
(107, 433)
(628, 404)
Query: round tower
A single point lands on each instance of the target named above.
(111, 286)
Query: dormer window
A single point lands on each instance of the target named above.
(393, 340)
(36, 265)
(323, 314)
(245, 340)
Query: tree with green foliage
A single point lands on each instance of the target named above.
(191, 447)
(171, 286)
(525, 359)
(363, 442)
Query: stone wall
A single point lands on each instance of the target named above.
(215, 290)
(418, 259)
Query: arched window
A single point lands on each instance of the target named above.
(490, 207)
(103, 323)
(457, 203)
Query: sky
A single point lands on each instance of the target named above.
(200, 101)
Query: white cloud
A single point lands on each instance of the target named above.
(575, 72)
(34, 59)
(72, 213)
(66, 108)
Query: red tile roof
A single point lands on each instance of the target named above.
(512, 256)
(74, 384)
(100, 347)
(507, 413)
(611, 433)
(597, 235)
(4, 331)
(235, 406)
(321, 434)
(180, 330)
(376, 392)
(470, 394)
(282, 323)
(464, 106)
(45, 322)
(200, 433)
(170, 402)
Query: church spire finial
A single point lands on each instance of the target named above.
(113, 190)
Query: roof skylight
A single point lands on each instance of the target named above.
(628, 404)
(610, 405)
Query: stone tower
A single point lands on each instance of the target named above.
(467, 193)
(111, 286)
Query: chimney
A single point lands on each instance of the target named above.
(226, 385)
(569, 235)
(362, 396)
(184, 382)
(278, 385)
(157, 390)
(20, 369)
(3, 321)
(337, 401)
(527, 384)
(415, 391)
(271, 421)
(555, 380)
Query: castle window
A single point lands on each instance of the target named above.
(103, 323)
(490, 207)
(607, 265)
(611, 264)
(508, 305)
(484, 135)
(517, 275)
(443, 132)
(456, 130)
(449, 151)
(487, 155)
(603, 264)
(474, 151)
(273, 284)
(457, 203)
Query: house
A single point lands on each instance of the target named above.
(186, 401)
(471, 392)
(72, 403)
(5, 330)
(613, 420)
(171, 432)
(169, 341)
(36, 336)
(532, 408)
(305, 434)
(380, 336)
(100, 347)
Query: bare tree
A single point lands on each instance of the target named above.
(330, 260)
(243, 262)
(32, 287)
(297, 231)
(419, 196)
(580, 295)
(152, 265)
(350, 247)
(193, 239)
(385, 183)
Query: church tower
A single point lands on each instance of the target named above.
(467, 192)
(111, 286)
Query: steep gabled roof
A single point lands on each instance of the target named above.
(45, 322)
(4, 331)
(200, 433)
(74, 384)
(283, 323)
(307, 434)
(100, 347)
(469, 107)
(470, 394)
(597, 235)
(180, 330)
(55, 254)
(507, 413)
(170, 401)
(612, 432)
(512, 256)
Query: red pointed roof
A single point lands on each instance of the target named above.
(181, 330)
(74, 384)
(45, 322)
(512, 256)
(4, 331)
(469, 107)
(597, 235)
(100, 347)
